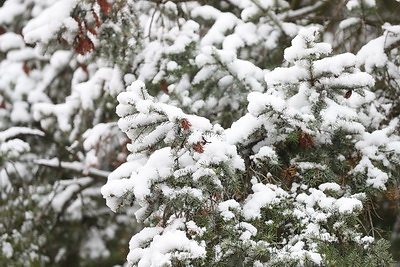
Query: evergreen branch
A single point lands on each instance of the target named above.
(16, 131)
(392, 46)
(73, 166)
(274, 18)
(68, 201)
(293, 15)
(234, 75)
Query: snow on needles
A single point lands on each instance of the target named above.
(179, 159)
(43, 27)
(153, 126)
(165, 245)
(303, 45)
(263, 196)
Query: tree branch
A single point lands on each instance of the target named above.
(74, 166)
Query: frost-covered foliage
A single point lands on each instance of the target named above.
(246, 132)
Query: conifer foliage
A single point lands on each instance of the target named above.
(229, 133)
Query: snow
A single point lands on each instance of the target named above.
(315, 257)
(343, 205)
(114, 190)
(248, 230)
(21, 55)
(94, 247)
(92, 136)
(371, 146)
(62, 112)
(348, 205)
(202, 172)
(342, 117)
(172, 65)
(158, 166)
(60, 199)
(285, 75)
(12, 149)
(20, 113)
(392, 30)
(206, 12)
(247, 33)
(224, 22)
(242, 129)
(297, 251)
(163, 247)
(335, 64)
(217, 152)
(355, 4)
(177, 153)
(329, 186)
(10, 40)
(344, 24)
(371, 141)
(258, 102)
(266, 153)
(232, 42)
(65, 191)
(88, 92)
(7, 250)
(204, 73)
(242, 70)
(263, 196)
(377, 178)
(60, 59)
(193, 228)
(16, 130)
(75, 165)
(186, 190)
(226, 207)
(303, 45)
(352, 4)
(310, 165)
(372, 54)
(11, 9)
(116, 86)
(43, 27)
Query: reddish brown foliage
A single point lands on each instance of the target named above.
(198, 147)
(79, 25)
(25, 67)
(393, 194)
(104, 6)
(2, 31)
(3, 104)
(63, 41)
(92, 30)
(185, 124)
(164, 86)
(83, 45)
(96, 18)
(83, 67)
(288, 175)
(306, 141)
(348, 94)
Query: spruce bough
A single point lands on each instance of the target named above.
(286, 185)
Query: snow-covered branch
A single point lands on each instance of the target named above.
(16, 131)
(73, 166)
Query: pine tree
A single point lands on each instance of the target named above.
(294, 196)
(244, 137)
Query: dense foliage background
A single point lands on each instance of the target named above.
(235, 132)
